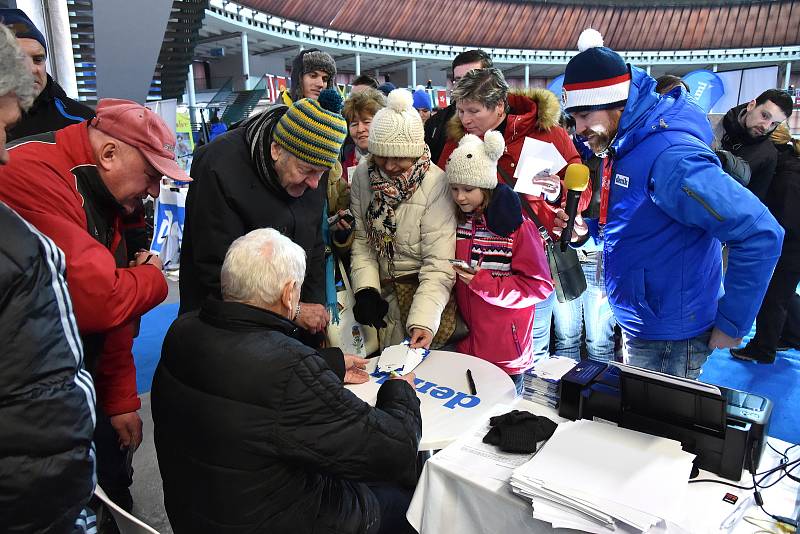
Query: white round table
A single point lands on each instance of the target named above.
(448, 409)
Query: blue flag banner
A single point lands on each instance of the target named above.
(705, 87)
(170, 212)
(556, 86)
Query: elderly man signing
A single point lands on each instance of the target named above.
(254, 430)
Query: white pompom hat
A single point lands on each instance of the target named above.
(397, 129)
(474, 162)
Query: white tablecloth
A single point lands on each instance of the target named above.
(453, 497)
(448, 409)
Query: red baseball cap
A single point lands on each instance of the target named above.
(139, 127)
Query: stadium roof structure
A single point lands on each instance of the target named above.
(554, 24)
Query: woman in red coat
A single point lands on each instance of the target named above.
(483, 102)
(505, 272)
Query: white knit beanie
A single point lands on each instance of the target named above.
(396, 130)
(474, 162)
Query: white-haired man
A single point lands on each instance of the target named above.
(46, 397)
(239, 401)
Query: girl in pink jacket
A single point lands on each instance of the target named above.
(508, 272)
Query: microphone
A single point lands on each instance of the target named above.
(576, 180)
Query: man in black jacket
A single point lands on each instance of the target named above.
(782, 200)
(52, 109)
(269, 172)
(745, 130)
(436, 126)
(254, 430)
(46, 396)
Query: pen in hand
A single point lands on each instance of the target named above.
(471, 382)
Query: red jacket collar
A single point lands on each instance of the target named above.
(73, 141)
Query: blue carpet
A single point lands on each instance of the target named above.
(779, 382)
(147, 347)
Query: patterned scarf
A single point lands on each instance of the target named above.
(388, 194)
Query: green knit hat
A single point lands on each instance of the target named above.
(313, 130)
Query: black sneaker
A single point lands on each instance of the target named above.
(746, 353)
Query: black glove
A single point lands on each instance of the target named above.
(519, 431)
(370, 308)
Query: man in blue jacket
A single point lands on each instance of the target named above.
(665, 206)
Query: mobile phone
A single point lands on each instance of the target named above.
(346, 216)
(461, 264)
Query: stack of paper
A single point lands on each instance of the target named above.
(597, 477)
(541, 382)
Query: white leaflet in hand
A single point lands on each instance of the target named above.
(525, 173)
(401, 359)
(533, 149)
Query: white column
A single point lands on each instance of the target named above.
(190, 94)
(358, 64)
(245, 61)
(788, 75)
(648, 70)
(527, 76)
(413, 73)
(60, 51)
(714, 67)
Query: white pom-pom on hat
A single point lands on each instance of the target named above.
(400, 100)
(590, 38)
(494, 144)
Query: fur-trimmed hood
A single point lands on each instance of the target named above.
(528, 109)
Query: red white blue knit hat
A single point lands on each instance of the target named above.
(596, 78)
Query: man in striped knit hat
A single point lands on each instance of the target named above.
(268, 173)
(665, 206)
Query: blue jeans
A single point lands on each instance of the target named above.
(519, 383)
(541, 327)
(591, 309)
(679, 358)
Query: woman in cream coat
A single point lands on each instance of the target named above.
(405, 225)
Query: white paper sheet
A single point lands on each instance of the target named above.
(470, 453)
(536, 157)
(401, 359)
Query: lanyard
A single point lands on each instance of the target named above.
(605, 190)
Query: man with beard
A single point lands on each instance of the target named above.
(665, 206)
(745, 130)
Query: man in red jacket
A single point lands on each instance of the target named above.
(74, 185)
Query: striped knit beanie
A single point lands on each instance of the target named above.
(596, 78)
(313, 130)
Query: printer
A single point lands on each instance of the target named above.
(725, 428)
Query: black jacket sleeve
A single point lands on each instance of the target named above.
(212, 224)
(334, 357)
(314, 285)
(327, 428)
